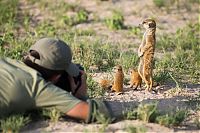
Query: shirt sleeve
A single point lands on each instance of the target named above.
(52, 96)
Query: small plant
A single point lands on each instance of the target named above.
(179, 116)
(173, 119)
(14, 123)
(68, 20)
(102, 120)
(44, 29)
(131, 115)
(159, 3)
(147, 112)
(133, 129)
(165, 120)
(178, 90)
(161, 76)
(86, 32)
(53, 114)
(82, 16)
(177, 84)
(116, 22)
(135, 30)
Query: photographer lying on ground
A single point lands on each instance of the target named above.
(34, 84)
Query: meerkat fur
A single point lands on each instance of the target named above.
(135, 79)
(118, 80)
(146, 53)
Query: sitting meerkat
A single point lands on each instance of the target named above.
(146, 52)
(105, 84)
(135, 79)
(118, 80)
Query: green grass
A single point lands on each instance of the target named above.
(169, 5)
(149, 113)
(173, 119)
(102, 120)
(115, 22)
(14, 123)
(9, 46)
(128, 59)
(80, 17)
(94, 90)
(135, 31)
(190, 33)
(182, 57)
(89, 54)
(8, 17)
(161, 76)
(144, 112)
(131, 114)
(53, 114)
(159, 3)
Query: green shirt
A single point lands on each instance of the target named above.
(23, 88)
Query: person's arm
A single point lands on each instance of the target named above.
(112, 110)
(80, 111)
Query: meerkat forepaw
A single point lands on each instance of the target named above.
(140, 54)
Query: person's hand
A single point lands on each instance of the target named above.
(82, 90)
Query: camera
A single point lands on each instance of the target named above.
(78, 78)
(64, 83)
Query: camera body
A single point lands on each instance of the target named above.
(64, 83)
(78, 78)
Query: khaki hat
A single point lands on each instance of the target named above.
(54, 54)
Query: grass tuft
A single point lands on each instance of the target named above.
(171, 120)
(147, 112)
(53, 114)
(8, 15)
(116, 22)
(14, 123)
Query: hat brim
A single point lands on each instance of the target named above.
(73, 70)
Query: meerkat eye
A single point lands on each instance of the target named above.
(151, 24)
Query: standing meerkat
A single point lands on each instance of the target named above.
(146, 52)
(118, 80)
(135, 79)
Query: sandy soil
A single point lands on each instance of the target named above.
(166, 103)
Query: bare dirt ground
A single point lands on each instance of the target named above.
(133, 11)
(166, 104)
